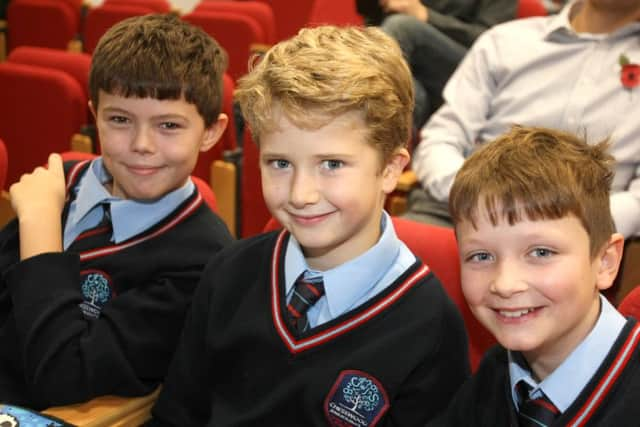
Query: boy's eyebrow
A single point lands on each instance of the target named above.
(166, 116)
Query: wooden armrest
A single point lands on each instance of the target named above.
(396, 203)
(223, 182)
(6, 210)
(259, 48)
(107, 411)
(407, 181)
(3, 40)
(75, 45)
(81, 143)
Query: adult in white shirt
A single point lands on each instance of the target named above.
(563, 72)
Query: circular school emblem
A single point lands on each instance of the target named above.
(356, 399)
(97, 290)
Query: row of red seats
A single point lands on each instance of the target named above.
(237, 25)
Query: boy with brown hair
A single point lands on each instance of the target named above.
(331, 321)
(101, 263)
(537, 246)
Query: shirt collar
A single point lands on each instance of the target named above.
(559, 26)
(128, 217)
(345, 284)
(578, 368)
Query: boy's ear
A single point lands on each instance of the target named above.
(609, 258)
(213, 133)
(93, 111)
(393, 169)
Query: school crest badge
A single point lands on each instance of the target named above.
(97, 290)
(356, 399)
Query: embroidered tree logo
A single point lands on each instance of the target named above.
(96, 289)
(362, 393)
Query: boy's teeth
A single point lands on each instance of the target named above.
(516, 313)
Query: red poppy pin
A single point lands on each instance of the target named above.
(629, 73)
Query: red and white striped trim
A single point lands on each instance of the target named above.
(73, 173)
(295, 346)
(594, 401)
(96, 253)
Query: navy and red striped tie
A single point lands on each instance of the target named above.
(306, 292)
(538, 412)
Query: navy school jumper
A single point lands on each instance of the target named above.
(106, 320)
(395, 361)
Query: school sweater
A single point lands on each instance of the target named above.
(396, 360)
(609, 399)
(106, 320)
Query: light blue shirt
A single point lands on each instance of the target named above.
(128, 217)
(355, 282)
(540, 72)
(578, 368)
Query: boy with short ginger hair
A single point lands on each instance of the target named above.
(331, 321)
(101, 263)
(537, 246)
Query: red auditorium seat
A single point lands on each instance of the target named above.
(46, 23)
(261, 12)
(41, 110)
(236, 34)
(529, 8)
(100, 19)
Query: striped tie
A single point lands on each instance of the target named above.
(538, 412)
(306, 292)
(97, 236)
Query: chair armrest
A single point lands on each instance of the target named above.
(107, 411)
(223, 181)
(407, 181)
(397, 201)
(82, 143)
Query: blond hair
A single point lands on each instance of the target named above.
(327, 71)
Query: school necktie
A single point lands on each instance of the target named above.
(306, 292)
(97, 236)
(538, 412)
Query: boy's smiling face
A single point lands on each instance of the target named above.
(327, 186)
(151, 146)
(534, 284)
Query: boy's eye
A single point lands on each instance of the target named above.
(479, 257)
(332, 164)
(541, 252)
(170, 125)
(118, 119)
(279, 163)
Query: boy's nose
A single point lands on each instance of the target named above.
(507, 281)
(303, 190)
(142, 141)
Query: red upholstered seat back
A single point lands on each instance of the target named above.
(46, 23)
(235, 33)
(4, 164)
(101, 18)
(261, 12)
(40, 111)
